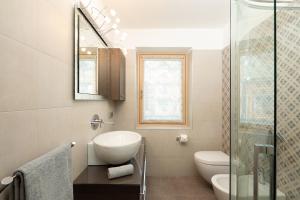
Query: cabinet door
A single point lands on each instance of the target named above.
(104, 72)
(118, 76)
(111, 73)
(123, 78)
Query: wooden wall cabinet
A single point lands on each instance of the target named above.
(112, 74)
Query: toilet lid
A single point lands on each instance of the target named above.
(212, 157)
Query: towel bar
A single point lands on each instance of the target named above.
(5, 182)
(73, 144)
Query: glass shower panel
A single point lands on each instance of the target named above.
(288, 100)
(252, 100)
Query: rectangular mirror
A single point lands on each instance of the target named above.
(88, 46)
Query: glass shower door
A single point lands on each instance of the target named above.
(252, 100)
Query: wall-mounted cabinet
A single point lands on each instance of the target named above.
(111, 74)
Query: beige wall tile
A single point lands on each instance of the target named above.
(18, 20)
(18, 139)
(18, 77)
(51, 77)
(55, 31)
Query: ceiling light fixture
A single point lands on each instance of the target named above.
(106, 22)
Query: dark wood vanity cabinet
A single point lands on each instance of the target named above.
(111, 74)
(93, 184)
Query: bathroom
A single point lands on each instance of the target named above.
(218, 120)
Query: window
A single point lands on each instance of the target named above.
(162, 89)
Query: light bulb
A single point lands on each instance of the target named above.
(83, 49)
(118, 20)
(113, 12)
(114, 26)
(107, 20)
(89, 52)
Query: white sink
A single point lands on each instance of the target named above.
(117, 147)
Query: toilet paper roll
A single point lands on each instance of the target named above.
(183, 138)
(124, 170)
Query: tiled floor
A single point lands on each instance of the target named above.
(178, 188)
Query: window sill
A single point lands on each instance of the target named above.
(162, 127)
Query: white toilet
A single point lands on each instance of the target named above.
(210, 163)
(213, 166)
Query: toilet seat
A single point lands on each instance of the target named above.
(216, 158)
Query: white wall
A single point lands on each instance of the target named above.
(195, 38)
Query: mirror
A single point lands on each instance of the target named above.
(88, 44)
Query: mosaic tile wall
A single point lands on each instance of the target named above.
(226, 100)
(288, 94)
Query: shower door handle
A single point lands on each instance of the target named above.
(269, 151)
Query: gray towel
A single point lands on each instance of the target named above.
(46, 178)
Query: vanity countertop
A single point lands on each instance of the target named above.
(97, 175)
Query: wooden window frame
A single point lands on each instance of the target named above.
(185, 85)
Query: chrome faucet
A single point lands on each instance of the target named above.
(96, 122)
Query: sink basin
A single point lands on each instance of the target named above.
(117, 147)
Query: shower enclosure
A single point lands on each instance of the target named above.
(265, 100)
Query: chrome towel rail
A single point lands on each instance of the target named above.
(73, 144)
(5, 182)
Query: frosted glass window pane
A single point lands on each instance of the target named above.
(162, 92)
(88, 76)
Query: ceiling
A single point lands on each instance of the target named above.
(169, 14)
